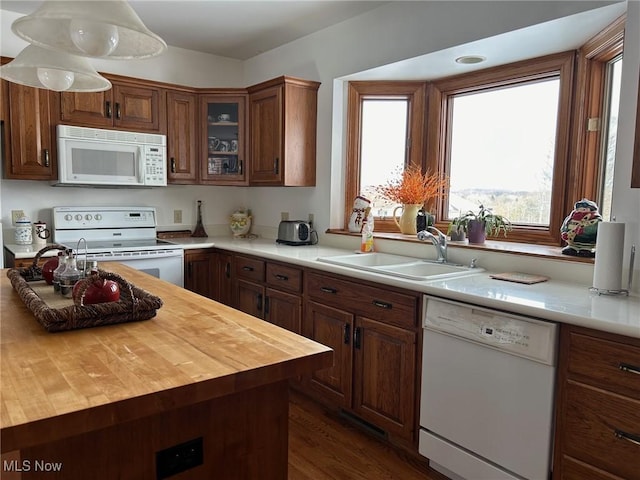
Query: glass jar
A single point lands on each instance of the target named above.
(62, 264)
(69, 277)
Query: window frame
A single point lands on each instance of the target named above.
(358, 91)
(441, 93)
(592, 59)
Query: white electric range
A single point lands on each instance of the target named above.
(120, 234)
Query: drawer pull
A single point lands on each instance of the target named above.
(328, 290)
(247, 268)
(347, 333)
(259, 302)
(357, 338)
(381, 304)
(281, 277)
(630, 437)
(626, 367)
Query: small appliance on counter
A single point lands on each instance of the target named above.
(296, 232)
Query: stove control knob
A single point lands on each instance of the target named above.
(98, 217)
(68, 217)
(78, 217)
(88, 217)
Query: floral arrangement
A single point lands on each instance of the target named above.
(412, 187)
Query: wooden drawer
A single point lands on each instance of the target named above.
(606, 364)
(373, 302)
(592, 419)
(284, 278)
(249, 268)
(573, 469)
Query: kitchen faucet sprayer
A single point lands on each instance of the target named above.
(439, 241)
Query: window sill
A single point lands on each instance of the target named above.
(513, 248)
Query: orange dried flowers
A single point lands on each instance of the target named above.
(412, 187)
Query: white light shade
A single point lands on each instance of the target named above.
(24, 70)
(50, 26)
(58, 80)
(94, 38)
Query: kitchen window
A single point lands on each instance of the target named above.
(385, 134)
(530, 161)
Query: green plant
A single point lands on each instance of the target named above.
(493, 223)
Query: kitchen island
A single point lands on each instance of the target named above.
(102, 402)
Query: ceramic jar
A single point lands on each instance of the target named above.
(240, 223)
(23, 231)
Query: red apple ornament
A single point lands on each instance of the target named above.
(100, 290)
(48, 268)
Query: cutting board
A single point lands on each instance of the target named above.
(519, 277)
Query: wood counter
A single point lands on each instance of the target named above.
(101, 402)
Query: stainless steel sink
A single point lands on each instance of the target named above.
(400, 266)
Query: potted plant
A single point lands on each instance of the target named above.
(411, 189)
(477, 225)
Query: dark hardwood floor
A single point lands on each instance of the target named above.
(323, 446)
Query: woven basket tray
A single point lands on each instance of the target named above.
(56, 313)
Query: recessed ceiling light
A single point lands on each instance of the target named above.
(470, 59)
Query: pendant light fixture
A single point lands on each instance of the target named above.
(40, 68)
(108, 29)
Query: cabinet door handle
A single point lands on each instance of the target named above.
(281, 277)
(259, 302)
(357, 338)
(108, 108)
(173, 165)
(381, 304)
(328, 290)
(117, 110)
(239, 167)
(276, 165)
(627, 367)
(347, 333)
(266, 305)
(227, 270)
(630, 437)
(247, 268)
(45, 155)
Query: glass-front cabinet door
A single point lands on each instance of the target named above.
(224, 140)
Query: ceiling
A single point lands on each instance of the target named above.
(236, 29)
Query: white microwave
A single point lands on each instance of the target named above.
(99, 157)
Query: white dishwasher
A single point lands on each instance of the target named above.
(487, 394)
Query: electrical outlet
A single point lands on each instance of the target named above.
(284, 216)
(177, 216)
(311, 218)
(16, 215)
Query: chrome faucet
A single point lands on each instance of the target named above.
(439, 241)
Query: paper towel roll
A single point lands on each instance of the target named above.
(607, 273)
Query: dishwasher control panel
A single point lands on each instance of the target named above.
(523, 336)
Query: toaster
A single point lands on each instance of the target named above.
(294, 232)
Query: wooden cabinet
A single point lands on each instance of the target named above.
(31, 133)
(128, 105)
(224, 290)
(199, 271)
(223, 139)
(208, 272)
(598, 409)
(373, 331)
(182, 137)
(283, 118)
(270, 291)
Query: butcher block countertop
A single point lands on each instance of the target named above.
(57, 385)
